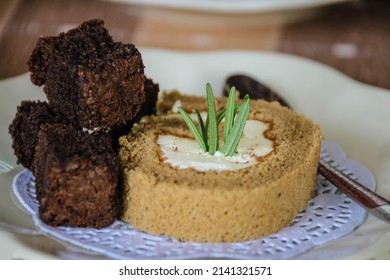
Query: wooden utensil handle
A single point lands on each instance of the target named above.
(373, 202)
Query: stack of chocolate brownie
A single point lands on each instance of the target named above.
(95, 89)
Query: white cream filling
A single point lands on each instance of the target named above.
(175, 106)
(184, 153)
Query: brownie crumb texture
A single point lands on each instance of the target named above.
(25, 127)
(76, 177)
(96, 82)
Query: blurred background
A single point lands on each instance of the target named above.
(352, 36)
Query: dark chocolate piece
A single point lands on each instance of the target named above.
(256, 90)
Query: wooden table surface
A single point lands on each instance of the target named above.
(353, 37)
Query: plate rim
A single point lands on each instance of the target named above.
(233, 6)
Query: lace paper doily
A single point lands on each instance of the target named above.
(329, 215)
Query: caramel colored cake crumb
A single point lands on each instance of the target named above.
(227, 206)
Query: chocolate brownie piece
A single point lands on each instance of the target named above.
(76, 177)
(96, 82)
(24, 128)
(148, 108)
(151, 92)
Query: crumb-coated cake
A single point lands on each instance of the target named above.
(24, 128)
(77, 177)
(93, 80)
(259, 191)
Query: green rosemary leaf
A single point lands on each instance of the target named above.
(193, 129)
(212, 125)
(206, 125)
(235, 134)
(221, 114)
(229, 115)
(207, 135)
(202, 127)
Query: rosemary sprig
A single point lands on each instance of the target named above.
(207, 135)
(222, 113)
(238, 127)
(193, 129)
(202, 127)
(229, 115)
(212, 125)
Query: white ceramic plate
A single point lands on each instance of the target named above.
(354, 115)
(234, 6)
